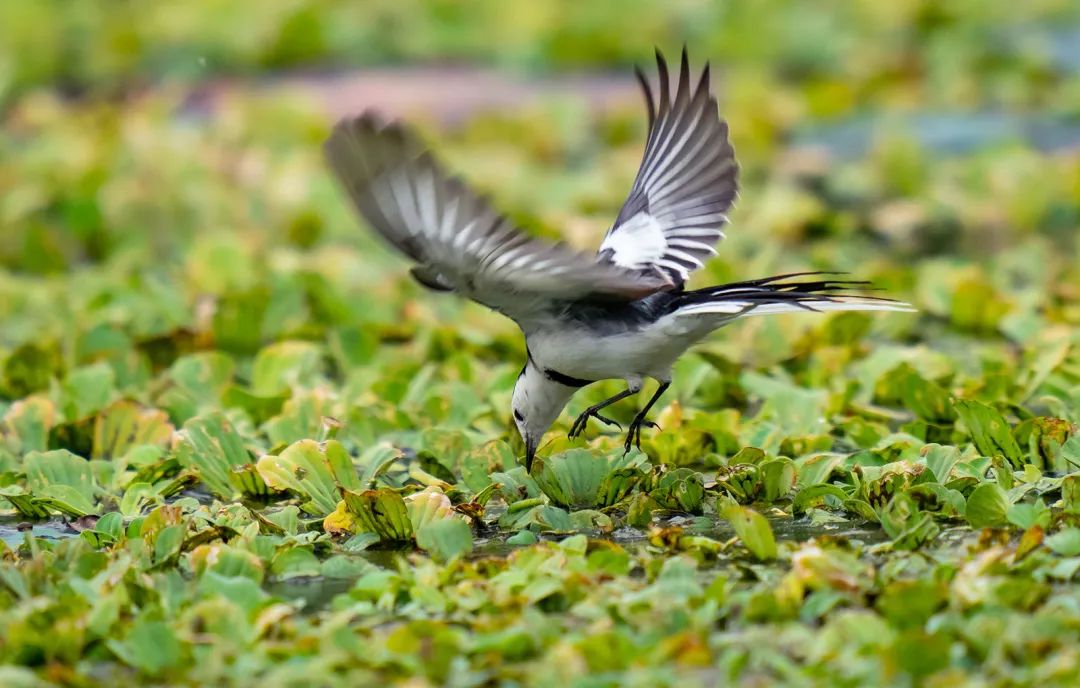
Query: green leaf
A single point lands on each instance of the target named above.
(446, 538)
(64, 481)
(295, 562)
(248, 481)
(752, 528)
(381, 511)
(639, 511)
(150, 646)
(27, 423)
(817, 496)
(30, 368)
(1065, 542)
(987, 506)
(375, 461)
(552, 519)
(106, 531)
(521, 538)
(312, 472)
(940, 460)
(480, 463)
(283, 366)
(168, 542)
(817, 469)
(581, 478)
(1024, 515)
(924, 398)
(742, 482)
(242, 591)
(1070, 493)
(86, 390)
(66, 499)
(210, 445)
(681, 489)
(24, 502)
(136, 496)
(778, 478)
(125, 425)
(908, 527)
(798, 410)
(1070, 452)
(516, 485)
(989, 431)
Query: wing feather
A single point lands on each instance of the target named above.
(687, 182)
(458, 241)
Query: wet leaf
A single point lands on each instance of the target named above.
(680, 489)
(313, 472)
(987, 506)
(62, 481)
(381, 511)
(752, 528)
(445, 538)
(1065, 542)
(989, 431)
(580, 478)
(211, 446)
(125, 425)
(150, 646)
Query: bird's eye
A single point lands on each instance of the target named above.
(518, 416)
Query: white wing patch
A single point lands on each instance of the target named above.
(639, 242)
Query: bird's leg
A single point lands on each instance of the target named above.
(594, 412)
(633, 435)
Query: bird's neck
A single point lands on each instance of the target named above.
(546, 397)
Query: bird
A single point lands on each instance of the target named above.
(624, 313)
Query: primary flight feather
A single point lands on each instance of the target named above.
(623, 313)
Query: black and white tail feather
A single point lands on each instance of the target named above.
(778, 294)
(623, 313)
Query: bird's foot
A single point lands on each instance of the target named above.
(581, 421)
(633, 435)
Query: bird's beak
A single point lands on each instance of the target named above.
(531, 444)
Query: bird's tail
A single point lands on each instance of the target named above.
(785, 294)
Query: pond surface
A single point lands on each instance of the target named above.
(13, 531)
(317, 592)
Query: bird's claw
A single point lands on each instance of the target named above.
(633, 436)
(583, 420)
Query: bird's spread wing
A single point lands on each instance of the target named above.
(686, 183)
(458, 242)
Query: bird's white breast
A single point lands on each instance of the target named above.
(581, 352)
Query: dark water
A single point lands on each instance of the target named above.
(943, 133)
(316, 593)
(13, 531)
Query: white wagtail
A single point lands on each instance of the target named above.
(623, 313)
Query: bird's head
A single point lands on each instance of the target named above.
(536, 403)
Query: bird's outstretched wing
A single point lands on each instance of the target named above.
(686, 183)
(458, 242)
